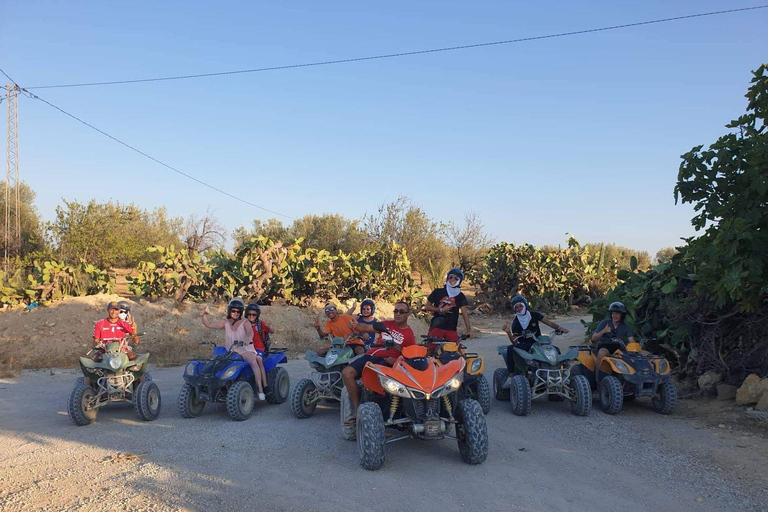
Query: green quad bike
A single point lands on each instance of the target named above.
(325, 382)
(543, 371)
(114, 378)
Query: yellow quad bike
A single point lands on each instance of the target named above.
(475, 385)
(627, 374)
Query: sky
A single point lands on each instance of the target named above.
(579, 134)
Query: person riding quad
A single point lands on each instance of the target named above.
(524, 320)
(125, 315)
(261, 333)
(446, 303)
(378, 353)
(610, 328)
(113, 328)
(337, 326)
(366, 316)
(236, 328)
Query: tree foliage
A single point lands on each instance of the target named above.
(468, 241)
(29, 222)
(329, 232)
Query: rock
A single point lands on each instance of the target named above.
(752, 389)
(726, 392)
(709, 379)
(762, 404)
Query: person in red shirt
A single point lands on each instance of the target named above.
(260, 334)
(113, 328)
(378, 354)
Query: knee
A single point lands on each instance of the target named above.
(348, 372)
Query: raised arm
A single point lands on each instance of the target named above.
(215, 324)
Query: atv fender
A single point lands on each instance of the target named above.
(140, 360)
(273, 360)
(243, 369)
(568, 356)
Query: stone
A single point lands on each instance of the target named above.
(752, 389)
(709, 379)
(726, 392)
(762, 404)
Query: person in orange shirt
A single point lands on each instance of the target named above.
(337, 326)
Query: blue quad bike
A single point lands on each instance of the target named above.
(226, 377)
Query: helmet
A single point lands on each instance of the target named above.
(456, 272)
(124, 305)
(617, 307)
(236, 303)
(253, 307)
(368, 302)
(113, 305)
(518, 299)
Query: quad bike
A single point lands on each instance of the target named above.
(113, 378)
(542, 371)
(628, 374)
(475, 385)
(419, 397)
(226, 377)
(325, 382)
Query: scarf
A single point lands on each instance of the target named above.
(524, 318)
(453, 291)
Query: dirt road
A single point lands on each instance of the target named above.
(548, 461)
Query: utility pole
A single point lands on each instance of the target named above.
(12, 182)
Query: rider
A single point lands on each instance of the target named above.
(367, 310)
(611, 328)
(446, 304)
(524, 320)
(113, 328)
(378, 354)
(261, 333)
(237, 329)
(125, 314)
(337, 326)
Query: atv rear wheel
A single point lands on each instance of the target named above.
(279, 385)
(304, 398)
(78, 400)
(471, 432)
(483, 393)
(666, 398)
(189, 405)
(370, 435)
(583, 393)
(499, 378)
(240, 400)
(146, 400)
(520, 395)
(611, 394)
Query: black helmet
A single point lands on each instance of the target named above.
(617, 307)
(253, 307)
(518, 299)
(369, 302)
(124, 305)
(236, 303)
(456, 272)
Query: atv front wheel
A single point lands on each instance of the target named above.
(484, 393)
(611, 394)
(76, 406)
(583, 393)
(370, 435)
(304, 398)
(240, 400)
(146, 400)
(520, 395)
(499, 378)
(279, 385)
(666, 398)
(471, 432)
(189, 405)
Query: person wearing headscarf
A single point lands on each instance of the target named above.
(446, 304)
(525, 320)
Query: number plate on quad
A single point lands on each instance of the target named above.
(432, 427)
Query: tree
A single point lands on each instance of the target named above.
(272, 229)
(204, 233)
(29, 222)
(665, 254)
(728, 186)
(468, 241)
(329, 231)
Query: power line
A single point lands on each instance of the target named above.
(34, 96)
(403, 54)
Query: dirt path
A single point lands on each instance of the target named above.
(550, 460)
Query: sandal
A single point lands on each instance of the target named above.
(350, 422)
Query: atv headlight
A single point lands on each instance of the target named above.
(623, 368)
(476, 364)
(393, 387)
(330, 359)
(663, 366)
(114, 362)
(453, 384)
(190, 369)
(229, 372)
(551, 354)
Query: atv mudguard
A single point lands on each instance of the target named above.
(273, 360)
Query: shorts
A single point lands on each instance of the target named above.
(452, 336)
(610, 346)
(359, 363)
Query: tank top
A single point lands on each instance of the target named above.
(238, 333)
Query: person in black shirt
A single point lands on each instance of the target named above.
(611, 328)
(446, 304)
(524, 320)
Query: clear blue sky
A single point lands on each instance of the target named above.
(580, 134)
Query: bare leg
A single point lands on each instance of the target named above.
(358, 349)
(323, 351)
(250, 358)
(260, 362)
(349, 375)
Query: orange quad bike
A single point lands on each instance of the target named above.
(417, 397)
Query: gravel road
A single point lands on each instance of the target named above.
(548, 461)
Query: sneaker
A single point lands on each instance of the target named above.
(262, 396)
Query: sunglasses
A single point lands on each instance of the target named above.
(400, 311)
(328, 310)
(252, 314)
(238, 311)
